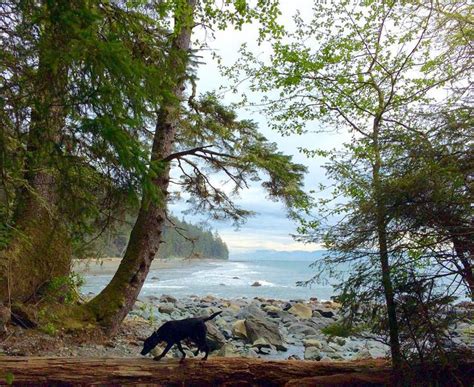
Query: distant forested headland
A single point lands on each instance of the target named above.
(180, 239)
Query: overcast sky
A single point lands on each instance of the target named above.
(269, 229)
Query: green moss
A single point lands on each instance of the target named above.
(39, 250)
(50, 329)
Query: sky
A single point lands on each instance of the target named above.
(269, 228)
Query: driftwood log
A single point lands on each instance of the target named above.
(192, 372)
(49, 371)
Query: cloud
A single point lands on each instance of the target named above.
(245, 241)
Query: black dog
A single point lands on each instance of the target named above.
(174, 331)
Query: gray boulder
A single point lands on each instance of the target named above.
(166, 308)
(215, 338)
(258, 328)
(302, 329)
(252, 310)
(312, 353)
(168, 298)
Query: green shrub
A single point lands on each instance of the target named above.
(50, 329)
(338, 329)
(64, 289)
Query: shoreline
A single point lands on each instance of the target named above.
(109, 265)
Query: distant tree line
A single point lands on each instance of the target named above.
(180, 239)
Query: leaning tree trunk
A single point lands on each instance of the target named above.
(39, 247)
(112, 305)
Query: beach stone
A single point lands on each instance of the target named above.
(208, 299)
(215, 338)
(312, 353)
(168, 298)
(251, 310)
(318, 323)
(340, 341)
(336, 356)
(166, 308)
(302, 329)
(256, 283)
(330, 305)
(263, 346)
(233, 307)
(325, 313)
(258, 328)
(287, 319)
(261, 343)
(221, 323)
(334, 346)
(301, 310)
(228, 350)
(272, 310)
(312, 343)
(239, 329)
(363, 354)
(294, 357)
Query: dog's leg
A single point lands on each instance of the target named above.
(196, 352)
(206, 349)
(162, 354)
(181, 349)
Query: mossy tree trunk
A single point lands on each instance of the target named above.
(39, 247)
(112, 305)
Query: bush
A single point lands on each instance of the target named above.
(338, 329)
(64, 289)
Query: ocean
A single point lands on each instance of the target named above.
(226, 279)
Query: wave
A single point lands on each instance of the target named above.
(267, 283)
(156, 285)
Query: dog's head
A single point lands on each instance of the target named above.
(150, 343)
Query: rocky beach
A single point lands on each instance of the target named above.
(251, 327)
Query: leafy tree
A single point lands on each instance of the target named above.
(369, 69)
(432, 195)
(76, 81)
(204, 138)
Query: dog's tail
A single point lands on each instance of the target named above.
(212, 316)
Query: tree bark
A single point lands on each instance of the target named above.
(112, 305)
(39, 248)
(381, 229)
